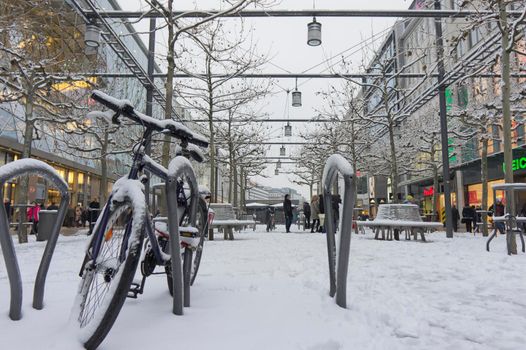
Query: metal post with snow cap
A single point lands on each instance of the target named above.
(12, 170)
(338, 261)
(180, 167)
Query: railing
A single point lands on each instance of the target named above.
(17, 169)
(338, 272)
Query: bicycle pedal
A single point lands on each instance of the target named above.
(135, 289)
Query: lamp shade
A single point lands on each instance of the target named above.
(92, 35)
(288, 130)
(282, 151)
(314, 33)
(296, 98)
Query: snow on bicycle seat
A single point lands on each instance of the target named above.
(167, 126)
(193, 151)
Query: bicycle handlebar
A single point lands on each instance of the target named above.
(167, 126)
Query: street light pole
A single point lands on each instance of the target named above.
(443, 123)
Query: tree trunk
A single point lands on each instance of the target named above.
(170, 58)
(506, 112)
(484, 180)
(103, 189)
(394, 167)
(236, 184)
(23, 187)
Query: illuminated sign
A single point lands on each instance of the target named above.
(428, 192)
(516, 164)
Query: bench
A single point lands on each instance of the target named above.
(225, 220)
(399, 217)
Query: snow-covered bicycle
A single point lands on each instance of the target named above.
(115, 248)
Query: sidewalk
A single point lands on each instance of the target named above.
(65, 231)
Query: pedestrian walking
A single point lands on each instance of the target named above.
(321, 206)
(7, 206)
(306, 214)
(497, 209)
(467, 217)
(78, 215)
(287, 209)
(455, 215)
(315, 213)
(33, 213)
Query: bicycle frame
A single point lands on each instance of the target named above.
(140, 162)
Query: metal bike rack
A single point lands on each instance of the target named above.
(338, 279)
(17, 169)
(179, 167)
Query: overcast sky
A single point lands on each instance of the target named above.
(286, 41)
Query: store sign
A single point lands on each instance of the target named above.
(516, 164)
(473, 197)
(428, 192)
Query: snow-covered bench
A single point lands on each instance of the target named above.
(401, 217)
(225, 220)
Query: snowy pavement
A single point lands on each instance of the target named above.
(270, 291)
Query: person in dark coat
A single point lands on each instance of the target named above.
(94, 209)
(467, 218)
(336, 200)
(306, 213)
(321, 209)
(455, 215)
(497, 209)
(287, 209)
(7, 206)
(269, 218)
(52, 206)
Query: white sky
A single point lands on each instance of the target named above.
(286, 41)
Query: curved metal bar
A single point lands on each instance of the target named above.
(338, 261)
(179, 167)
(490, 239)
(16, 169)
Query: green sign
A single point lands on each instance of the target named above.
(449, 99)
(451, 149)
(516, 164)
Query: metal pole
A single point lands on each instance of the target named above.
(443, 123)
(149, 94)
(299, 13)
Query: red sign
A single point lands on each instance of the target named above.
(472, 197)
(428, 192)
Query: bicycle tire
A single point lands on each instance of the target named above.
(96, 320)
(195, 261)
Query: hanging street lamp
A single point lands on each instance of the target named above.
(296, 96)
(92, 35)
(288, 129)
(278, 164)
(314, 33)
(282, 151)
(276, 171)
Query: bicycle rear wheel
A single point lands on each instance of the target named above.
(106, 281)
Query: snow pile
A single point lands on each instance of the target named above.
(270, 291)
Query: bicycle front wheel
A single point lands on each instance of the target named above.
(107, 279)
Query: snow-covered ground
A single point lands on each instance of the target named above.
(270, 291)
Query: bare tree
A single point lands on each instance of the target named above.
(37, 36)
(214, 96)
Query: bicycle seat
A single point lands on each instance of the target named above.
(190, 151)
